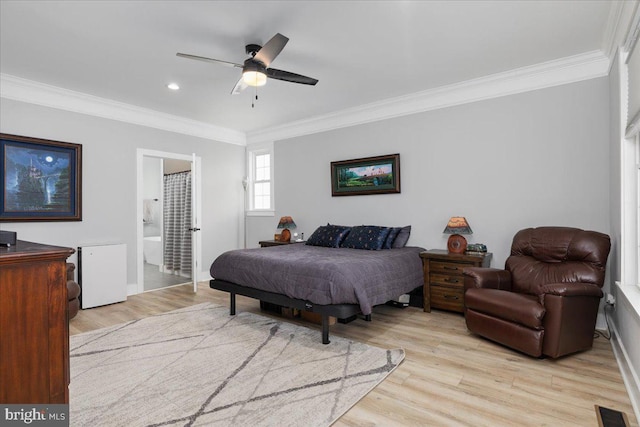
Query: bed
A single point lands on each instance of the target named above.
(331, 281)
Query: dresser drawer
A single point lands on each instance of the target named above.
(450, 268)
(447, 298)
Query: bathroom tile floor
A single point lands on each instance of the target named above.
(155, 279)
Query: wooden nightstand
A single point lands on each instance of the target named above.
(267, 243)
(443, 280)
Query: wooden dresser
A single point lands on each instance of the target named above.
(443, 280)
(34, 324)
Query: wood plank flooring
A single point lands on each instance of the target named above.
(449, 377)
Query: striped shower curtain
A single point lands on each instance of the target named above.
(177, 221)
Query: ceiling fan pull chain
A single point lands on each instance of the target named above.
(252, 105)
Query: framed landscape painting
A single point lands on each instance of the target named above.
(370, 175)
(41, 180)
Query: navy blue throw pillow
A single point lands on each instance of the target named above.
(369, 237)
(329, 236)
(402, 238)
(393, 233)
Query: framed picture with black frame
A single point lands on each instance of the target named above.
(41, 179)
(369, 175)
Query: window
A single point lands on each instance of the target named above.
(636, 146)
(632, 214)
(630, 165)
(260, 180)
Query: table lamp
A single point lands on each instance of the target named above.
(286, 222)
(457, 226)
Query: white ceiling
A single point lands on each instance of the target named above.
(361, 51)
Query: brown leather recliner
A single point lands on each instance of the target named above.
(545, 301)
(73, 291)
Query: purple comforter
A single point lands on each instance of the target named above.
(324, 275)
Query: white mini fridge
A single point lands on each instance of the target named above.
(102, 274)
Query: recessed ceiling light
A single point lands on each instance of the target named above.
(173, 86)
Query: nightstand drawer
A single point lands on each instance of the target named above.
(446, 280)
(448, 267)
(447, 298)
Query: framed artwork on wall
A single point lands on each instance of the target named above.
(41, 180)
(370, 175)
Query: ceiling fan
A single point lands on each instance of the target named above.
(255, 69)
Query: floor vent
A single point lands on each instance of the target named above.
(611, 418)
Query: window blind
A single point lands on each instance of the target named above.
(633, 64)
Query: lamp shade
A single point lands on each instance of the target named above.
(286, 222)
(457, 225)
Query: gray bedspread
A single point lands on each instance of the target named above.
(324, 275)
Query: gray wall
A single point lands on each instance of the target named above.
(532, 159)
(109, 180)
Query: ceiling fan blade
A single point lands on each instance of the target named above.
(271, 49)
(239, 87)
(290, 77)
(202, 58)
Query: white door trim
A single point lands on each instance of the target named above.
(140, 155)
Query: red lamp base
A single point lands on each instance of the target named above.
(285, 236)
(456, 244)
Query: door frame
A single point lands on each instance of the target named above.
(196, 241)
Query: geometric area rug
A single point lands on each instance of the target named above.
(199, 366)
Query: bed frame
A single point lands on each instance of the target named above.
(341, 311)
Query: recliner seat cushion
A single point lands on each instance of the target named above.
(513, 307)
(511, 334)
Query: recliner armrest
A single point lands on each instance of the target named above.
(572, 289)
(489, 278)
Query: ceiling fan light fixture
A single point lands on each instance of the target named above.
(254, 78)
(255, 69)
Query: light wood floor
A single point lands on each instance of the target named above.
(449, 377)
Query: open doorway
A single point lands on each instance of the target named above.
(166, 249)
(167, 241)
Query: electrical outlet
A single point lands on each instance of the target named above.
(610, 299)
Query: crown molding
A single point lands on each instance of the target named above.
(571, 69)
(612, 28)
(633, 33)
(32, 92)
(622, 16)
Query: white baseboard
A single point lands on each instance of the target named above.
(626, 370)
(204, 275)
